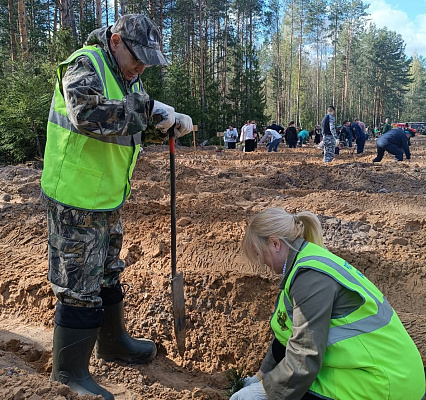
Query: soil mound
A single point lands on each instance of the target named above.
(374, 216)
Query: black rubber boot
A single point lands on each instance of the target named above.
(71, 355)
(114, 343)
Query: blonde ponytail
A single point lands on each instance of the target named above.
(312, 231)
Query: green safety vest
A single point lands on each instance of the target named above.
(369, 353)
(81, 171)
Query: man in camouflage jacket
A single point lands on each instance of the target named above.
(330, 136)
(98, 119)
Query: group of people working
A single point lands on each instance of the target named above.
(273, 136)
(248, 136)
(335, 334)
(330, 138)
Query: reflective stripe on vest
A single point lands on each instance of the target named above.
(99, 65)
(88, 171)
(365, 325)
(63, 121)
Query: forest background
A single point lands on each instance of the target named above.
(229, 61)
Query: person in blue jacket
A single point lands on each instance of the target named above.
(396, 142)
(301, 136)
(358, 134)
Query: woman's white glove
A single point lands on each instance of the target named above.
(163, 115)
(252, 392)
(248, 380)
(183, 124)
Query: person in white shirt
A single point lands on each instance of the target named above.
(275, 141)
(247, 136)
(230, 137)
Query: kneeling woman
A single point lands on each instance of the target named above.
(335, 334)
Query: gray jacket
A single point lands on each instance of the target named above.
(316, 297)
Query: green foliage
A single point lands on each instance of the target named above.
(89, 22)
(213, 114)
(235, 379)
(177, 90)
(389, 69)
(230, 62)
(415, 99)
(63, 44)
(26, 95)
(153, 82)
(246, 96)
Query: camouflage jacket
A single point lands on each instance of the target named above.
(89, 110)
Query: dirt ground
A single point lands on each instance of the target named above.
(374, 216)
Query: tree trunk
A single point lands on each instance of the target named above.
(299, 75)
(200, 22)
(12, 35)
(286, 89)
(317, 77)
(346, 73)
(278, 103)
(336, 34)
(49, 31)
(81, 7)
(55, 17)
(360, 115)
(150, 9)
(291, 61)
(161, 21)
(212, 46)
(23, 29)
(98, 13)
(116, 15)
(160, 28)
(189, 49)
(67, 17)
(106, 13)
(225, 59)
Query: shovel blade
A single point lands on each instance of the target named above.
(179, 311)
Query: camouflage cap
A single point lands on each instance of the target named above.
(144, 37)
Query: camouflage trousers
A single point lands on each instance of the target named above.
(84, 248)
(329, 147)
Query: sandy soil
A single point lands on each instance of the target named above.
(372, 215)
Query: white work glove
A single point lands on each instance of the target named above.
(253, 392)
(337, 142)
(166, 113)
(248, 380)
(183, 124)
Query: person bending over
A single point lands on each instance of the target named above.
(335, 335)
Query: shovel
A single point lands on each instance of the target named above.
(177, 279)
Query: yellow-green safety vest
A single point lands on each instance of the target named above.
(369, 353)
(81, 171)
